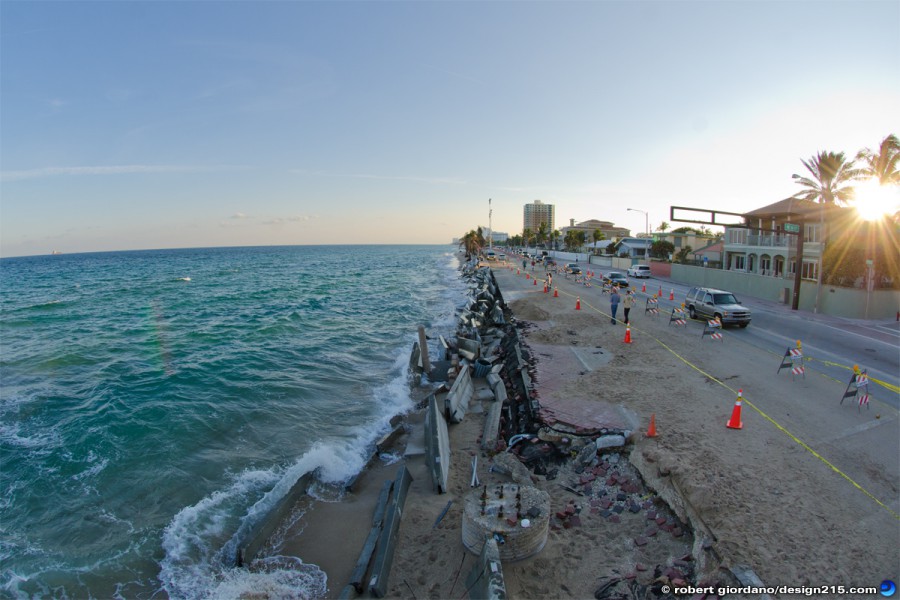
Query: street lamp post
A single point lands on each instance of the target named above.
(647, 224)
(646, 219)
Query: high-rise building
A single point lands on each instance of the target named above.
(536, 213)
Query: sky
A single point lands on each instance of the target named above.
(173, 124)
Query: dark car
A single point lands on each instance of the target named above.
(573, 268)
(616, 278)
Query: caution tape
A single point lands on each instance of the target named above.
(884, 384)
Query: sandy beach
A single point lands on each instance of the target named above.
(790, 503)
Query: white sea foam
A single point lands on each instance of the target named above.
(274, 578)
(198, 555)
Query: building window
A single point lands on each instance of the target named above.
(809, 269)
(738, 263)
(765, 265)
(737, 236)
(811, 232)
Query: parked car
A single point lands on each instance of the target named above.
(573, 268)
(616, 278)
(709, 303)
(639, 271)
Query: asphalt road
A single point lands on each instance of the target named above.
(833, 343)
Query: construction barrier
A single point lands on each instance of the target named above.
(652, 306)
(793, 360)
(678, 317)
(858, 388)
(713, 329)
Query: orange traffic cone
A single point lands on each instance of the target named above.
(527, 276)
(556, 292)
(735, 421)
(577, 302)
(672, 294)
(659, 295)
(627, 339)
(518, 272)
(545, 287)
(651, 431)
(644, 287)
(535, 281)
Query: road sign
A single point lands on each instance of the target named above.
(792, 228)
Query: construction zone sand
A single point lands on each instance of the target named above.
(787, 505)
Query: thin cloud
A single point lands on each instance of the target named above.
(283, 220)
(46, 172)
(240, 215)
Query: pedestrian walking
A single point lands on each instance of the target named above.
(628, 304)
(614, 302)
(532, 266)
(549, 280)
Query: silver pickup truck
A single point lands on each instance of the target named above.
(709, 303)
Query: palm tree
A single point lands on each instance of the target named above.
(663, 226)
(831, 179)
(574, 240)
(526, 234)
(598, 235)
(473, 242)
(542, 232)
(554, 238)
(882, 165)
(831, 182)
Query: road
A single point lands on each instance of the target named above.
(834, 344)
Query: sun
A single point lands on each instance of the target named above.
(873, 200)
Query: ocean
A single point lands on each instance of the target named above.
(156, 404)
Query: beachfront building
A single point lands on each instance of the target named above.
(767, 245)
(769, 249)
(496, 237)
(710, 255)
(536, 213)
(681, 240)
(610, 232)
(633, 247)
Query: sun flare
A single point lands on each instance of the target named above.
(873, 200)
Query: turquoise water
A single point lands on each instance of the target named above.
(154, 403)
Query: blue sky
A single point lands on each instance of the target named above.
(129, 125)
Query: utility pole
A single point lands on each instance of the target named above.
(490, 227)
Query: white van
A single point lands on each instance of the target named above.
(639, 271)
